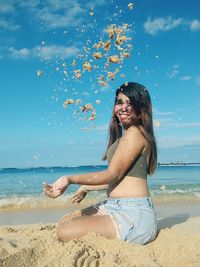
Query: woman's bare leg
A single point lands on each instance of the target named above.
(87, 211)
(87, 220)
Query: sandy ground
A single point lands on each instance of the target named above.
(177, 245)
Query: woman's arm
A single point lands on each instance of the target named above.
(58, 187)
(84, 189)
(130, 146)
(94, 187)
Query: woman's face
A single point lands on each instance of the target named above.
(123, 110)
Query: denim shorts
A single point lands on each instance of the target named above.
(134, 218)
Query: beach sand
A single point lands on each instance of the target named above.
(177, 244)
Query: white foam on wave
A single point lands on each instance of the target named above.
(197, 194)
(178, 194)
(189, 191)
(18, 202)
(42, 201)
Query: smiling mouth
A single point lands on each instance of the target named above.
(121, 114)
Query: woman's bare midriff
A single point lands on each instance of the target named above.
(129, 187)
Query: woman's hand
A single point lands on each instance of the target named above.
(57, 188)
(79, 195)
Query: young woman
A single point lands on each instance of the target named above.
(128, 212)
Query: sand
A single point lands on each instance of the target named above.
(177, 245)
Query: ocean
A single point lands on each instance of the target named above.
(23, 188)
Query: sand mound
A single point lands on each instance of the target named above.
(36, 245)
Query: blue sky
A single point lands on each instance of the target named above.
(36, 130)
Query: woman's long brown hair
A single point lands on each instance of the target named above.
(141, 102)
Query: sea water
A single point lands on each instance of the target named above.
(24, 187)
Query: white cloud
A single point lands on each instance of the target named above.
(28, 4)
(21, 53)
(96, 3)
(185, 78)
(52, 17)
(195, 25)
(172, 123)
(59, 13)
(173, 73)
(168, 120)
(164, 113)
(46, 52)
(154, 26)
(6, 8)
(49, 52)
(50, 14)
(164, 122)
(186, 124)
(175, 66)
(85, 93)
(102, 128)
(8, 25)
(172, 142)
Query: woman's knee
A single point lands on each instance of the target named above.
(62, 220)
(62, 232)
(68, 217)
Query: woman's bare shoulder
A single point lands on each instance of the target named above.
(134, 135)
(133, 131)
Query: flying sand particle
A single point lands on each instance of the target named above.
(116, 43)
(102, 83)
(67, 102)
(77, 74)
(73, 63)
(101, 77)
(107, 45)
(111, 75)
(157, 123)
(92, 117)
(126, 55)
(126, 84)
(78, 101)
(39, 73)
(114, 59)
(87, 66)
(111, 31)
(98, 101)
(97, 55)
(130, 6)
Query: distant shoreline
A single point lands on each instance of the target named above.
(95, 165)
(179, 164)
